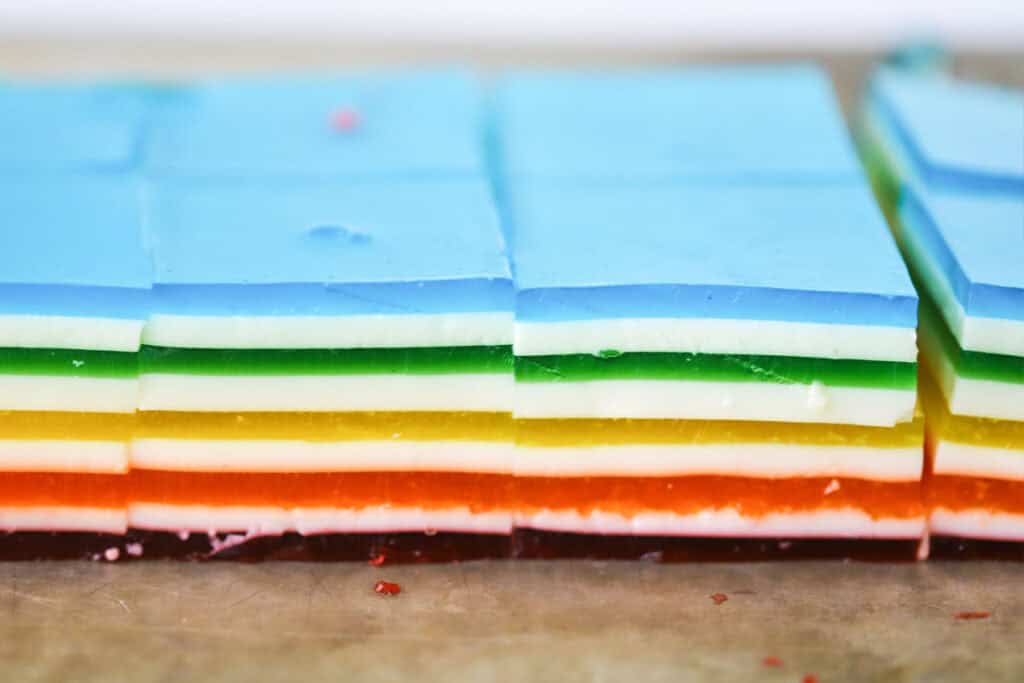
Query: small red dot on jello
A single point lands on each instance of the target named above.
(719, 598)
(387, 588)
(345, 119)
(771, 661)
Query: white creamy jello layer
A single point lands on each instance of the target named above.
(242, 455)
(70, 332)
(849, 523)
(71, 394)
(46, 455)
(681, 400)
(970, 460)
(759, 460)
(329, 332)
(60, 518)
(320, 393)
(980, 524)
(716, 336)
(277, 520)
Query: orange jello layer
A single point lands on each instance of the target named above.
(595, 432)
(37, 489)
(417, 426)
(964, 493)
(480, 492)
(749, 496)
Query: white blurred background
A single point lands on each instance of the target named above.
(685, 25)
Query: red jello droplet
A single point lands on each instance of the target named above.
(345, 120)
(810, 678)
(378, 559)
(966, 616)
(771, 661)
(719, 598)
(387, 588)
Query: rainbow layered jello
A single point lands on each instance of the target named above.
(946, 158)
(714, 330)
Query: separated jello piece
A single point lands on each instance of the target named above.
(380, 124)
(74, 292)
(406, 282)
(644, 125)
(946, 134)
(669, 302)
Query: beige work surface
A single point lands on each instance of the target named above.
(533, 621)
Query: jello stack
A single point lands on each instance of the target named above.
(715, 334)
(327, 307)
(948, 160)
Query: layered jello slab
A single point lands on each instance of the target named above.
(626, 297)
(70, 328)
(327, 296)
(383, 124)
(945, 155)
(639, 126)
(975, 486)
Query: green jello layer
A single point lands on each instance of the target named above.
(405, 361)
(68, 363)
(993, 367)
(717, 368)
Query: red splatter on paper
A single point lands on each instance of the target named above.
(345, 120)
(771, 661)
(387, 588)
(719, 598)
(966, 616)
(810, 678)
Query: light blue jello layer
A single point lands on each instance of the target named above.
(327, 248)
(417, 123)
(60, 127)
(959, 136)
(976, 241)
(73, 245)
(754, 122)
(799, 253)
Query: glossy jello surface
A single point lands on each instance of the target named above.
(419, 361)
(599, 432)
(716, 368)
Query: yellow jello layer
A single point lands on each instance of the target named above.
(327, 427)
(66, 426)
(554, 433)
(976, 431)
(431, 426)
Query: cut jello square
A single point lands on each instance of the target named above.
(641, 125)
